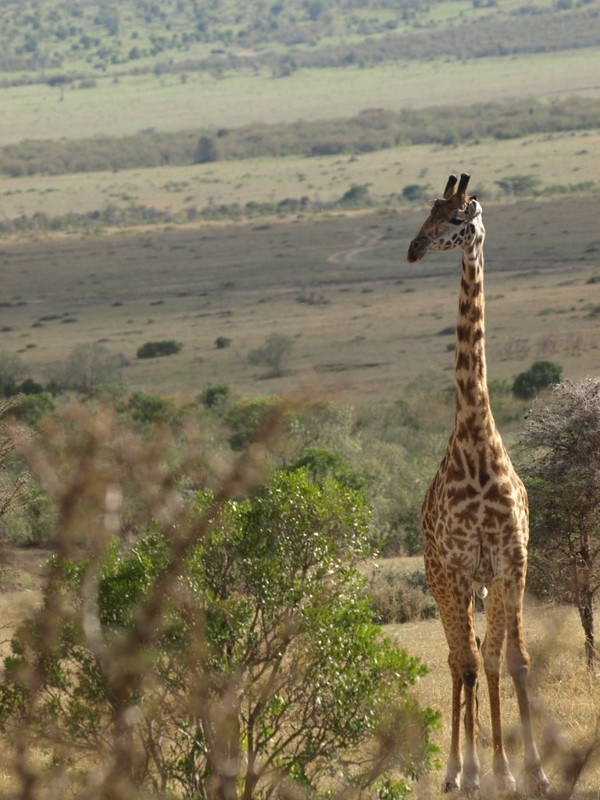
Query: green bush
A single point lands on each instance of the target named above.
(165, 347)
(321, 463)
(540, 375)
(32, 408)
(151, 409)
(246, 418)
(218, 398)
(265, 629)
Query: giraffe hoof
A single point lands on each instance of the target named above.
(506, 784)
(449, 786)
(537, 784)
(469, 788)
(541, 788)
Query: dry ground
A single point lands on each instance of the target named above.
(362, 320)
(566, 697)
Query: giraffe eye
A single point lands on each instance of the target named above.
(456, 221)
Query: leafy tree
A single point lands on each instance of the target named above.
(88, 365)
(247, 417)
(540, 375)
(61, 81)
(266, 672)
(206, 150)
(272, 354)
(321, 463)
(564, 489)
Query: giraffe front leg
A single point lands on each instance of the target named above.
(470, 775)
(454, 767)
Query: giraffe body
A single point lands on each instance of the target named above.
(475, 519)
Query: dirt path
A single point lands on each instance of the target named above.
(364, 242)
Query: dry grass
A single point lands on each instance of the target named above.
(566, 697)
(558, 159)
(373, 332)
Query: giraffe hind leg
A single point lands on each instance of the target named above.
(491, 650)
(536, 782)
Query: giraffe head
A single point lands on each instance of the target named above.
(454, 221)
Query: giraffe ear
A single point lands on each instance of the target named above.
(474, 208)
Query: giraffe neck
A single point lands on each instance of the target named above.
(472, 396)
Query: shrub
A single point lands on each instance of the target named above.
(396, 597)
(321, 463)
(218, 397)
(357, 195)
(87, 366)
(246, 419)
(179, 664)
(221, 342)
(150, 409)
(272, 354)
(518, 185)
(166, 347)
(540, 375)
(32, 408)
(206, 150)
(29, 386)
(416, 192)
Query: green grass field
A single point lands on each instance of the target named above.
(135, 103)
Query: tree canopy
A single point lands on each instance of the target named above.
(564, 488)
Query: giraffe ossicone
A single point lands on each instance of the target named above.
(475, 519)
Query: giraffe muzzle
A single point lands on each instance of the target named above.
(417, 248)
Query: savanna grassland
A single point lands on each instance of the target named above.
(362, 319)
(214, 173)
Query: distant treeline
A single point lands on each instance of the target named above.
(356, 197)
(527, 30)
(372, 129)
(113, 216)
(285, 36)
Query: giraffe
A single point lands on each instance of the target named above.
(475, 519)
